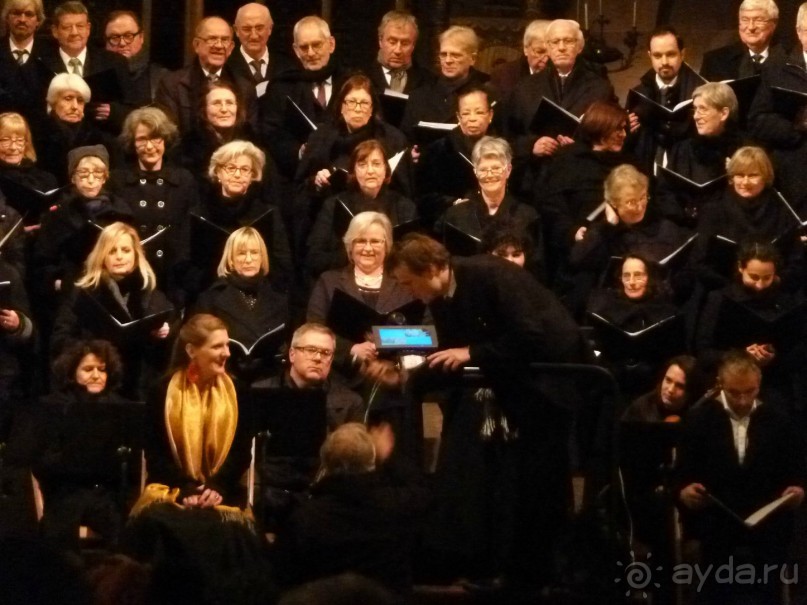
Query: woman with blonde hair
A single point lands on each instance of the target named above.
(116, 299)
(254, 312)
(237, 195)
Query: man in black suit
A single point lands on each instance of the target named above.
(23, 78)
(105, 72)
(669, 82)
(745, 58)
(124, 36)
(251, 64)
(180, 91)
(491, 313)
(567, 81)
(394, 69)
(744, 453)
(308, 91)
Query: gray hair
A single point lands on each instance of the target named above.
(229, 151)
(624, 175)
(491, 147)
(311, 326)
(401, 18)
(581, 41)
(800, 16)
(64, 82)
(361, 222)
(536, 30)
(322, 24)
(465, 37)
(9, 5)
(159, 125)
(72, 7)
(719, 96)
(769, 6)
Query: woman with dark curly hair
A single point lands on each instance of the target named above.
(79, 432)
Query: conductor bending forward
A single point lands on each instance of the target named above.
(492, 314)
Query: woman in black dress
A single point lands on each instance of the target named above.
(755, 313)
(159, 195)
(76, 460)
(368, 189)
(117, 299)
(244, 298)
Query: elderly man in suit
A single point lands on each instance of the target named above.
(757, 21)
(504, 77)
(180, 91)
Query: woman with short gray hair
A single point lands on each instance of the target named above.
(463, 223)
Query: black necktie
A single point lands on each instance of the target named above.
(212, 78)
(257, 74)
(20, 56)
(757, 60)
(562, 85)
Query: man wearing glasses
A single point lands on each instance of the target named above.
(306, 90)
(505, 77)
(180, 91)
(124, 36)
(757, 22)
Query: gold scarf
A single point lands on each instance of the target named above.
(201, 424)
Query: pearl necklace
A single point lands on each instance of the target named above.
(368, 281)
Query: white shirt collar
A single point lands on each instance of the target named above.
(29, 47)
(207, 73)
(764, 54)
(264, 57)
(661, 84)
(82, 56)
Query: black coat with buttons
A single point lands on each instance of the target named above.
(160, 202)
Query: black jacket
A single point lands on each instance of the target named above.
(734, 61)
(68, 235)
(24, 88)
(160, 202)
(437, 102)
(775, 126)
(416, 77)
(227, 300)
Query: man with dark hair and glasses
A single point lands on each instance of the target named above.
(124, 36)
(71, 29)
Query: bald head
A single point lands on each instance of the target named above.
(253, 26)
(213, 43)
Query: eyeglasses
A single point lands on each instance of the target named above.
(315, 46)
(86, 174)
(214, 40)
(495, 171)
(121, 39)
(755, 21)
(565, 41)
(141, 142)
(360, 105)
(314, 351)
(232, 170)
(22, 13)
(750, 177)
(633, 203)
(248, 29)
(6, 142)
(362, 242)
